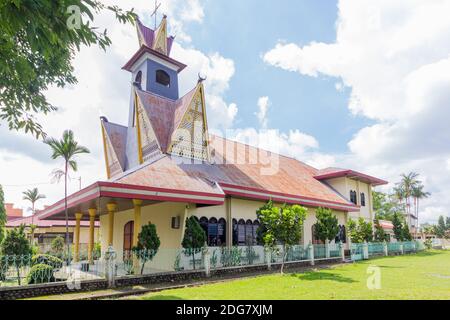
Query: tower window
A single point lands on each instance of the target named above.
(138, 79)
(163, 78)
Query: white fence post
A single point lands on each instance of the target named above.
(311, 253)
(401, 248)
(385, 248)
(206, 261)
(327, 249)
(110, 266)
(268, 257)
(365, 251)
(341, 247)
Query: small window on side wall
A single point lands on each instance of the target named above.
(163, 78)
(363, 199)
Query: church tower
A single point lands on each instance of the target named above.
(161, 123)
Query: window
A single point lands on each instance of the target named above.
(163, 78)
(342, 235)
(353, 197)
(363, 199)
(138, 79)
(215, 231)
(128, 234)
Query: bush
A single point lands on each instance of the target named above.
(41, 273)
(428, 244)
(57, 246)
(3, 268)
(47, 259)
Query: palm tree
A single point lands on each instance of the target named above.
(418, 193)
(33, 196)
(66, 148)
(407, 184)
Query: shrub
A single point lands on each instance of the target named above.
(47, 259)
(57, 246)
(428, 244)
(41, 273)
(3, 267)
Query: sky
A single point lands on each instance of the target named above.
(350, 83)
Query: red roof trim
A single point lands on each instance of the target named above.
(301, 200)
(344, 173)
(144, 49)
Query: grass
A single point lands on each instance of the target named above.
(424, 275)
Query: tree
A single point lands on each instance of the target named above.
(283, 225)
(148, 244)
(33, 196)
(406, 234)
(397, 222)
(66, 148)
(16, 246)
(440, 228)
(405, 187)
(39, 40)
(385, 205)
(57, 247)
(418, 194)
(2, 214)
(360, 230)
(194, 238)
(379, 234)
(327, 225)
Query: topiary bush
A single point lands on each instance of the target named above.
(54, 262)
(41, 273)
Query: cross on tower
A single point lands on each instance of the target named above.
(155, 12)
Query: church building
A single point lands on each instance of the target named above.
(163, 166)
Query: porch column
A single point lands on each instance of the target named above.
(137, 220)
(78, 217)
(92, 214)
(112, 207)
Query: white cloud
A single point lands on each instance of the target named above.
(394, 56)
(263, 106)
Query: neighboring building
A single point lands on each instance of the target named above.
(388, 228)
(47, 230)
(164, 166)
(12, 213)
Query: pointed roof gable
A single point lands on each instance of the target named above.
(149, 37)
(164, 114)
(117, 137)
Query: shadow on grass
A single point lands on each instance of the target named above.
(162, 297)
(323, 275)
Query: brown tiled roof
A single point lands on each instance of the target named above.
(330, 173)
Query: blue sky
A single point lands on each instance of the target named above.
(244, 30)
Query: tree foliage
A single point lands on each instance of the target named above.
(360, 230)
(148, 244)
(398, 221)
(194, 238)
(327, 225)
(38, 41)
(283, 225)
(16, 246)
(2, 214)
(379, 234)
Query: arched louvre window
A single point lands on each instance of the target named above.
(163, 78)
(128, 234)
(353, 197)
(249, 232)
(204, 224)
(212, 232)
(255, 232)
(241, 232)
(222, 232)
(363, 199)
(235, 232)
(342, 235)
(138, 79)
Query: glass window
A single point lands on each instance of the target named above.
(241, 232)
(363, 199)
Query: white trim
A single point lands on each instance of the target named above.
(74, 199)
(155, 58)
(160, 194)
(269, 195)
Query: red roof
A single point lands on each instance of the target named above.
(330, 173)
(386, 224)
(44, 223)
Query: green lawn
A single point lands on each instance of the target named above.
(420, 276)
